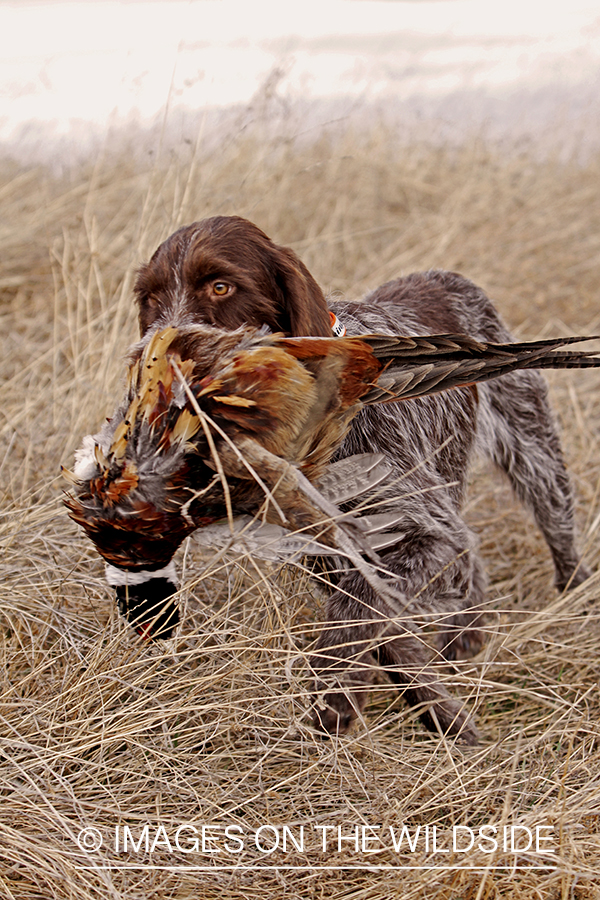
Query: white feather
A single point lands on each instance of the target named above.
(117, 577)
(85, 460)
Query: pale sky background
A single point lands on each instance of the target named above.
(68, 67)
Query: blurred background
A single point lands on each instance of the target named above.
(72, 71)
(376, 139)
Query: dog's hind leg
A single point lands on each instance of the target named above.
(520, 435)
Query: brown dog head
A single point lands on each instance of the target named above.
(225, 271)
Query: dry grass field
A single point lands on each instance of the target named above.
(99, 730)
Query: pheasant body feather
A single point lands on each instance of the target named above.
(216, 424)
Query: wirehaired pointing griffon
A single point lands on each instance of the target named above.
(240, 398)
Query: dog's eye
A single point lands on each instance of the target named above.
(221, 288)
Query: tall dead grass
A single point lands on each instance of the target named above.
(99, 730)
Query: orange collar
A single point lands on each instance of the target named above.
(338, 329)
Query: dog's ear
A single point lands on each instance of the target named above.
(303, 305)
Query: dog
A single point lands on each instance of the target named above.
(224, 271)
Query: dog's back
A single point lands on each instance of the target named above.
(508, 419)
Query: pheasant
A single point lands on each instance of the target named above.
(217, 424)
